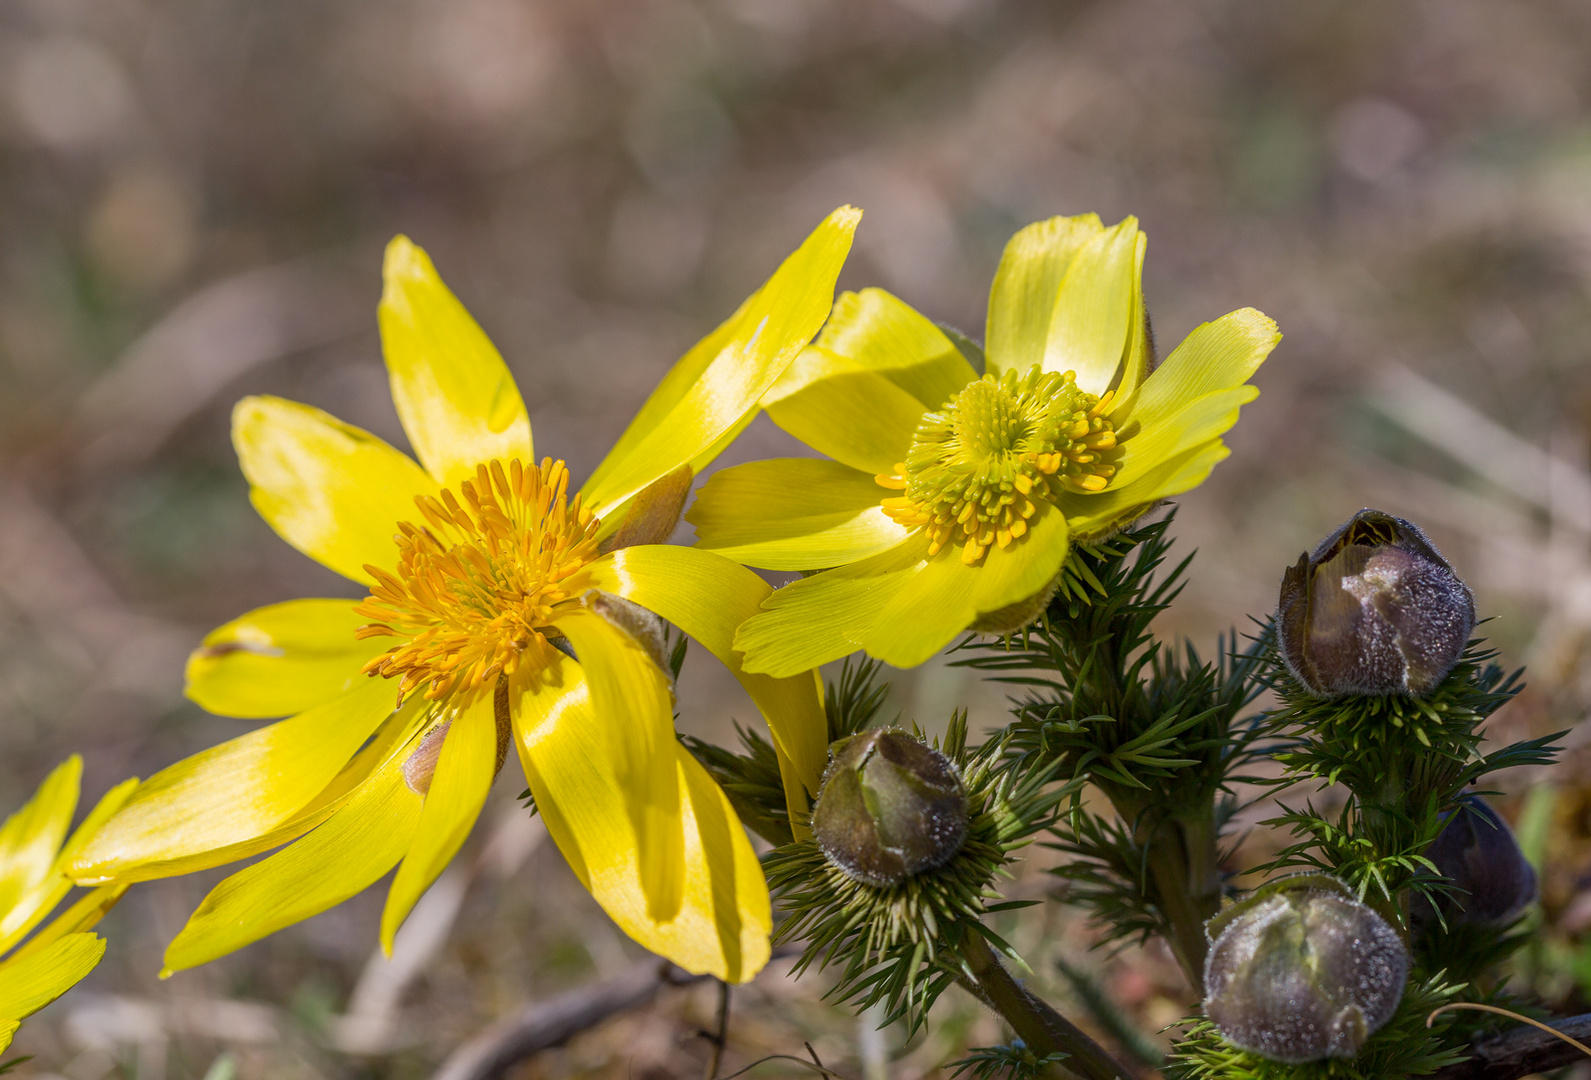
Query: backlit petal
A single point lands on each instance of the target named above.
(708, 598)
(634, 710)
(1094, 309)
(793, 514)
(362, 841)
(724, 918)
(719, 381)
(886, 335)
(1026, 285)
(231, 793)
(29, 842)
(842, 409)
(29, 983)
(464, 773)
(810, 622)
(1216, 356)
(454, 394)
(281, 659)
(334, 492)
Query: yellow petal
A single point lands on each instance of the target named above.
(634, 710)
(719, 381)
(1092, 517)
(818, 619)
(334, 492)
(29, 983)
(454, 394)
(1197, 421)
(231, 793)
(1093, 311)
(360, 842)
(939, 604)
(81, 916)
(464, 773)
(8, 1031)
(1140, 340)
(724, 918)
(43, 895)
(842, 409)
(281, 659)
(793, 514)
(888, 336)
(1216, 356)
(1022, 299)
(29, 843)
(708, 598)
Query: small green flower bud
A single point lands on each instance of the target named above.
(1477, 851)
(1302, 971)
(1375, 610)
(891, 806)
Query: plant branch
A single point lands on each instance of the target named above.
(1520, 1052)
(1035, 1022)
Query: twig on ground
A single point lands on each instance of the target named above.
(720, 1035)
(1521, 1052)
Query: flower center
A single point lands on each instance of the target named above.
(976, 467)
(477, 583)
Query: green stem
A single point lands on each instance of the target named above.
(1044, 1030)
(1181, 857)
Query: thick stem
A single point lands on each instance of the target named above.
(1038, 1025)
(1182, 861)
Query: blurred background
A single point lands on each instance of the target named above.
(194, 195)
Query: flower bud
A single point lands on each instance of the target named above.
(891, 806)
(1302, 971)
(1492, 881)
(1375, 610)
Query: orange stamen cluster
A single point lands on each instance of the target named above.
(477, 583)
(977, 467)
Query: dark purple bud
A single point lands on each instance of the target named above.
(1375, 610)
(1492, 882)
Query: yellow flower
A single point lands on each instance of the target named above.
(951, 500)
(495, 581)
(33, 881)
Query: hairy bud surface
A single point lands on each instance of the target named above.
(891, 806)
(1374, 610)
(1302, 971)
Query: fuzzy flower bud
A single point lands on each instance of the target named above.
(1476, 850)
(1375, 610)
(1302, 971)
(891, 806)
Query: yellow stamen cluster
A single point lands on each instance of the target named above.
(477, 583)
(977, 466)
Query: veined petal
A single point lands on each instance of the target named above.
(81, 916)
(724, 917)
(1094, 309)
(334, 492)
(634, 710)
(948, 596)
(708, 598)
(840, 408)
(1216, 356)
(822, 618)
(1026, 285)
(1091, 517)
(456, 399)
(886, 335)
(8, 1031)
(281, 659)
(231, 793)
(29, 983)
(29, 842)
(719, 381)
(1140, 356)
(463, 778)
(360, 842)
(1197, 421)
(793, 514)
